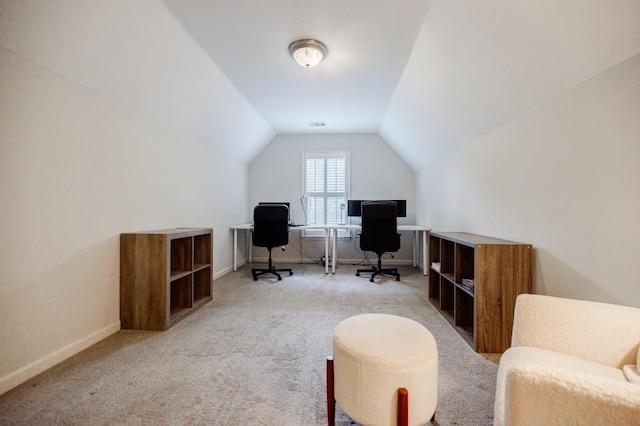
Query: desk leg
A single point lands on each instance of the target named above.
(235, 250)
(415, 246)
(424, 252)
(334, 251)
(326, 250)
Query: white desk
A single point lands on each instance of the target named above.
(248, 226)
(328, 234)
(416, 229)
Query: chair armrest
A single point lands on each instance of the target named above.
(603, 333)
(539, 395)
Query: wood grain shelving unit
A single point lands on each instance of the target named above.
(164, 276)
(501, 271)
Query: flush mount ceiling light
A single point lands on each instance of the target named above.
(307, 52)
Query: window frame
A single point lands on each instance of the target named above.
(325, 154)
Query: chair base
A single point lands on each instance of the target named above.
(386, 271)
(380, 271)
(258, 272)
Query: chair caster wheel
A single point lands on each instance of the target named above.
(357, 274)
(397, 278)
(279, 278)
(371, 280)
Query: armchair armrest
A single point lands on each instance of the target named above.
(540, 395)
(603, 333)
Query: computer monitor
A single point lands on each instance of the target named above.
(262, 203)
(354, 207)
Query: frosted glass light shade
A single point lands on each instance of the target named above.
(308, 53)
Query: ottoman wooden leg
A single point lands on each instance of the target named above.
(403, 407)
(331, 401)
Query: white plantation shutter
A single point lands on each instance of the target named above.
(325, 185)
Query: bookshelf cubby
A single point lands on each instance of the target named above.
(500, 270)
(164, 276)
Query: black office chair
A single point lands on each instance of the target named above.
(380, 234)
(270, 229)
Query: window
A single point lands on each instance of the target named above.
(325, 181)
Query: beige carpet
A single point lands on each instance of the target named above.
(254, 356)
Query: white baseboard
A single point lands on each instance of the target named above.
(27, 372)
(341, 261)
(226, 270)
(223, 272)
(392, 262)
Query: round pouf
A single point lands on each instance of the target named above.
(376, 354)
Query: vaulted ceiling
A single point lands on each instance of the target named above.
(368, 41)
(427, 75)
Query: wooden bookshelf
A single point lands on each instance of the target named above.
(500, 270)
(164, 276)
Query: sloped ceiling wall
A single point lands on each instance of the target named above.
(521, 120)
(476, 66)
(161, 71)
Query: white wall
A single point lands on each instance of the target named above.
(82, 160)
(522, 122)
(377, 172)
(565, 178)
(477, 65)
(136, 53)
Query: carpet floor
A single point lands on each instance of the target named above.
(255, 355)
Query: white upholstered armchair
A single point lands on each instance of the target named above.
(571, 362)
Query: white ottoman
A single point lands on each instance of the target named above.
(375, 356)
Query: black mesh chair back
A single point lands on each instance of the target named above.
(379, 227)
(380, 234)
(270, 229)
(270, 225)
